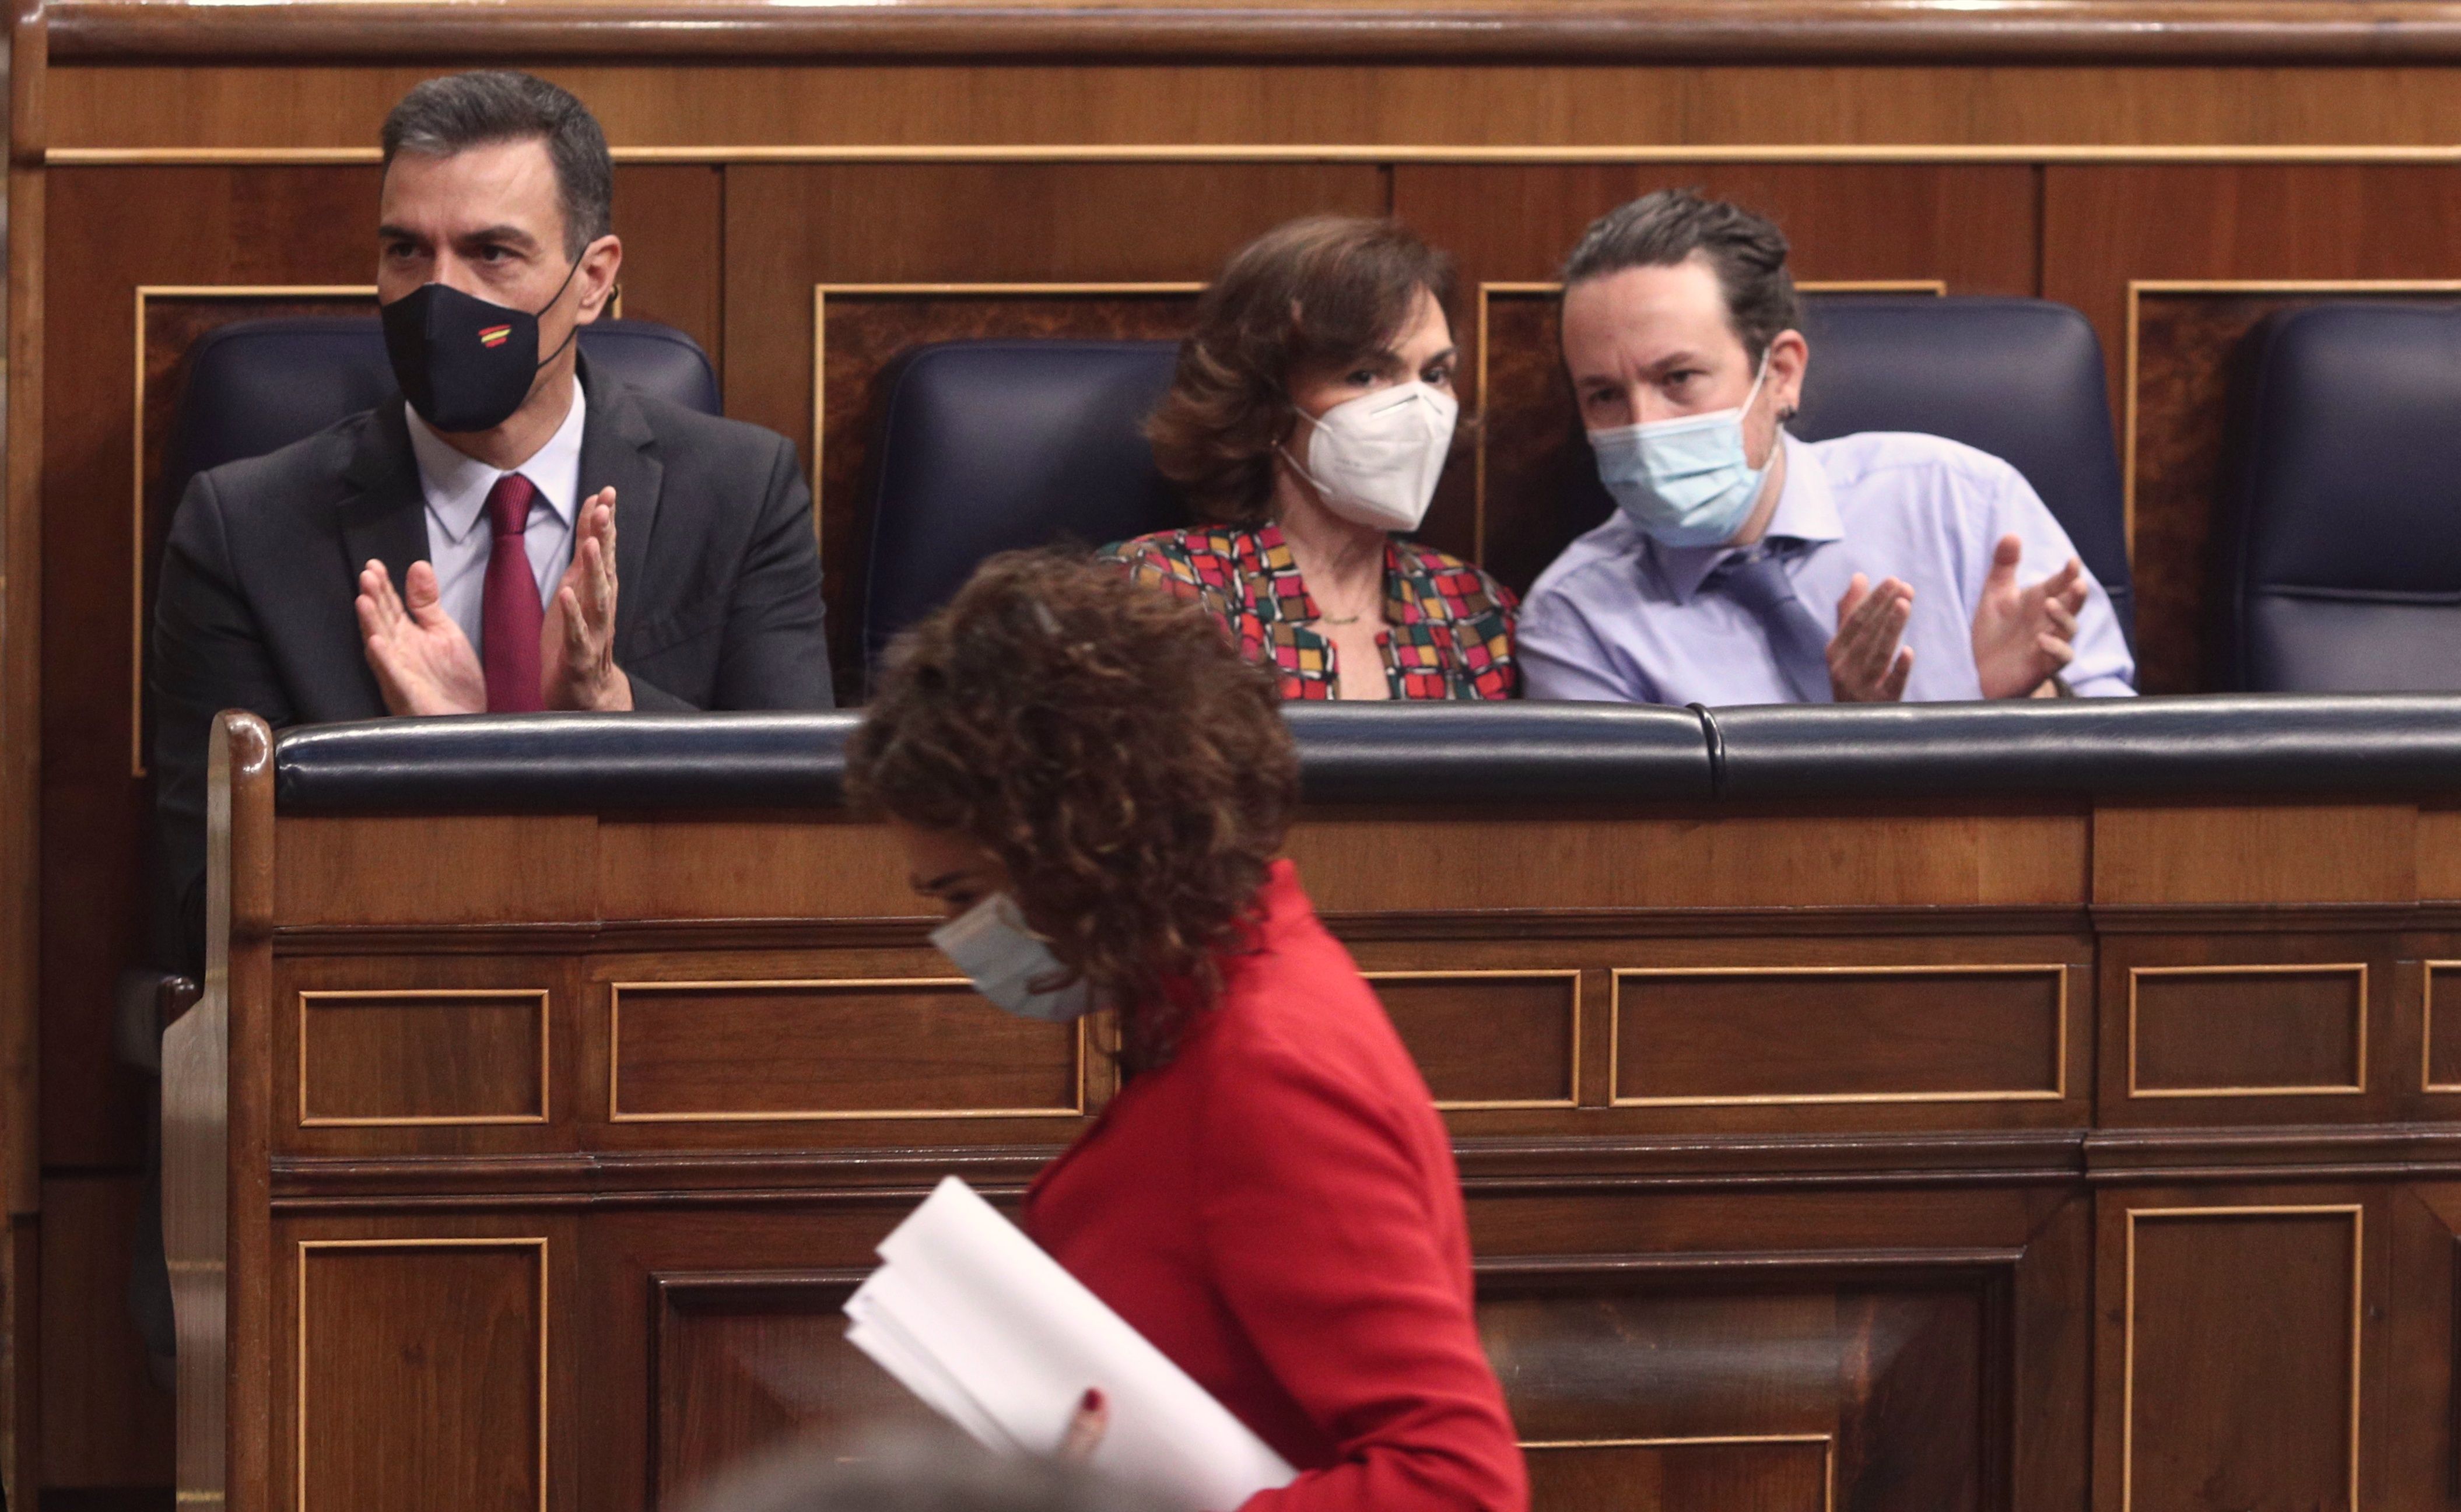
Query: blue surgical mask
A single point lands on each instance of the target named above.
(1005, 961)
(1685, 482)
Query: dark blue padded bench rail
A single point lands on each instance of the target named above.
(1508, 754)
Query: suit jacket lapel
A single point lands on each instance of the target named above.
(387, 519)
(619, 451)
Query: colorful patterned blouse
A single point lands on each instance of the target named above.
(1448, 631)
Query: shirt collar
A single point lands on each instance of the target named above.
(457, 483)
(1807, 510)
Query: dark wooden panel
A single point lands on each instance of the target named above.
(670, 216)
(834, 1049)
(2106, 225)
(862, 334)
(2203, 853)
(448, 1055)
(1881, 1034)
(1761, 1476)
(2234, 1029)
(458, 1328)
(793, 227)
(1488, 1038)
(2237, 1372)
(104, 1422)
(745, 1363)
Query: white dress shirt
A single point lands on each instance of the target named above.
(459, 541)
(1621, 617)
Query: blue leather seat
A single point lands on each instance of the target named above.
(256, 386)
(990, 446)
(2019, 378)
(2339, 531)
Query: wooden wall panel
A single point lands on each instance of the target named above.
(2234, 1031)
(2233, 1374)
(1765, 1475)
(104, 1422)
(2441, 1027)
(458, 1326)
(423, 1057)
(785, 1051)
(888, 100)
(1497, 1038)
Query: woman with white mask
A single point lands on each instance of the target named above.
(1308, 423)
(1092, 788)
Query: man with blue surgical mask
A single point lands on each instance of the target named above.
(1742, 566)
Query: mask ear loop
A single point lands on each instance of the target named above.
(551, 305)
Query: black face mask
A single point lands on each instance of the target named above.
(465, 364)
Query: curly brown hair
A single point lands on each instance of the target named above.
(1107, 746)
(1317, 293)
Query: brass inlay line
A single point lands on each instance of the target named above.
(821, 293)
(2138, 287)
(2058, 1091)
(615, 1113)
(2128, 1323)
(2427, 1082)
(545, 1060)
(2018, 153)
(1827, 1443)
(136, 471)
(1486, 291)
(299, 1449)
(2137, 1089)
(1571, 1097)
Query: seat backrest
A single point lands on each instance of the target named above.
(2338, 534)
(989, 446)
(2021, 379)
(256, 386)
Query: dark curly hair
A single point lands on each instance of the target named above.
(1111, 750)
(1322, 292)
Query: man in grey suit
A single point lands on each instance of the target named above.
(463, 551)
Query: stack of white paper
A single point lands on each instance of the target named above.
(983, 1325)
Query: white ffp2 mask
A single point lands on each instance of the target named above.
(1004, 959)
(1374, 459)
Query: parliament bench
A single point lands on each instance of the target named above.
(1957, 1106)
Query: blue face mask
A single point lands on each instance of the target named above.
(1685, 480)
(1009, 963)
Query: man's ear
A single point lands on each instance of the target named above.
(1789, 355)
(601, 262)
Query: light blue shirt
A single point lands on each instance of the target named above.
(459, 541)
(1622, 618)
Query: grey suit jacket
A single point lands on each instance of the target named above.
(718, 601)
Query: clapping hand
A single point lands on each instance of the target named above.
(423, 661)
(577, 641)
(1865, 664)
(2023, 636)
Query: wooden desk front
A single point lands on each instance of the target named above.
(1913, 1156)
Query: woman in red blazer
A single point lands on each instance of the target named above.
(1093, 786)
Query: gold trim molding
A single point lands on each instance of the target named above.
(137, 470)
(2058, 1092)
(1571, 1097)
(299, 1446)
(2427, 1082)
(616, 1114)
(2137, 1091)
(546, 1061)
(2127, 1323)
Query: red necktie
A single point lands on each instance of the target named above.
(510, 615)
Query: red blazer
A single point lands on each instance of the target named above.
(1278, 1210)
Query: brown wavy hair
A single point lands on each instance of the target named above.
(1107, 746)
(1317, 293)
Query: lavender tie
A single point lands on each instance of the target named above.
(1758, 582)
